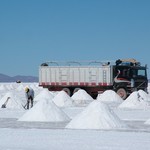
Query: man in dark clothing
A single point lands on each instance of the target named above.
(29, 92)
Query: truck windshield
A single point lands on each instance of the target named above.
(139, 72)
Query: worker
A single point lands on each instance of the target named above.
(29, 92)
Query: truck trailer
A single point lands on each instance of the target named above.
(123, 76)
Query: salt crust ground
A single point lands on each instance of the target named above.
(29, 136)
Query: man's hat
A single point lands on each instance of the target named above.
(26, 89)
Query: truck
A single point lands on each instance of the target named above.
(123, 76)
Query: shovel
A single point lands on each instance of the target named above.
(4, 105)
(24, 106)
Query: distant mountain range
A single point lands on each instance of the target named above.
(6, 78)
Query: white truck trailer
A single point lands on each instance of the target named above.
(124, 76)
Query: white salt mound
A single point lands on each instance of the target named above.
(135, 101)
(81, 97)
(109, 96)
(44, 94)
(9, 87)
(2, 88)
(96, 115)
(148, 88)
(81, 94)
(34, 87)
(46, 111)
(13, 102)
(20, 87)
(144, 95)
(62, 99)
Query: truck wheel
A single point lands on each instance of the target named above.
(67, 90)
(76, 90)
(122, 93)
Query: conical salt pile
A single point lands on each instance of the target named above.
(13, 101)
(135, 101)
(62, 99)
(46, 111)
(96, 115)
(81, 97)
(2, 87)
(144, 95)
(109, 96)
(44, 94)
(20, 87)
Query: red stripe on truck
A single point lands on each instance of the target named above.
(52, 83)
(93, 84)
(57, 83)
(63, 83)
(74, 84)
(43, 83)
(82, 83)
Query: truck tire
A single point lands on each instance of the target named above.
(122, 93)
(76, 90)
(67, 90)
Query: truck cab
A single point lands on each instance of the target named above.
(129, 76)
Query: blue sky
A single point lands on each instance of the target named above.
(34, 31)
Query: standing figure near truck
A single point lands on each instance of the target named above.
(29, 93)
